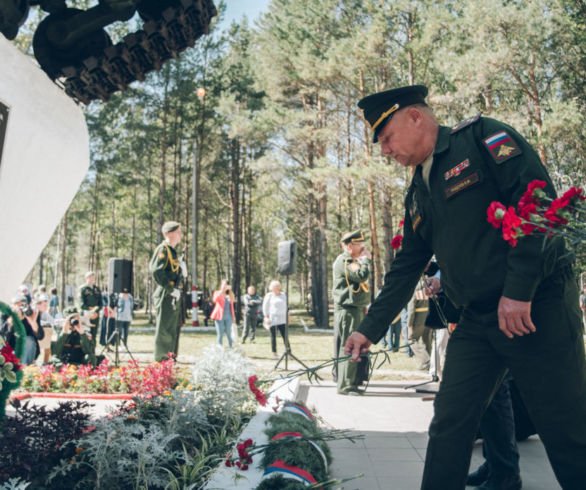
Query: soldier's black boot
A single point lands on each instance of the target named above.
(479, 476)
(507, 482)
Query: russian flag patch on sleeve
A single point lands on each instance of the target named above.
(501, 146)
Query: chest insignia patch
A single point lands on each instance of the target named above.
(462, 184)
(501, 146)
(457, 170)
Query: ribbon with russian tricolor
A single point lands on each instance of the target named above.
(298, 409)
(297, 435)
(289, 472)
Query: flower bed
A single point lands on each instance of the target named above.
(156, 379)
(172, 440)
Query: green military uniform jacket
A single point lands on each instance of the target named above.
(350, 286)
(164, 267)
(475, 163)
(90, 298)
(64, 350)
(351, 295)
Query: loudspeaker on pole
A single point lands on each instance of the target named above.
(286, 257)
(119, 275)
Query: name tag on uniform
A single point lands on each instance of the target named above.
(462, 184)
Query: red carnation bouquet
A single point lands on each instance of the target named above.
(9, 364)
(538, 213)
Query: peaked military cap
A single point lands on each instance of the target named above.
(170, 226)
(379, 108)
(353, 236)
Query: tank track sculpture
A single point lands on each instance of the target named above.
(73, 48)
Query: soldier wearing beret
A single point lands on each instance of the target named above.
(351, 295)
(90, 303)
(519, 303)
(166, 271)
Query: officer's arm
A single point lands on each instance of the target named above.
(81, 300)
(400, 282)
(527, 260)
(158, 269)
(357, 273)
(59, 344)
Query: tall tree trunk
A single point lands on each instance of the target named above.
(387, 217)
(41, 257)
(163, 172)
(94, 223)
(63, 259)
(235, 215)
(371, 209)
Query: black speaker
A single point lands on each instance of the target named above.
(119, 275)
(286, 257)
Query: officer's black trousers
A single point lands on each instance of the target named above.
(550, 371)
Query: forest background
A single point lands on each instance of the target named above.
(282, 151)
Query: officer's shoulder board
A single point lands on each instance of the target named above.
(465, 123)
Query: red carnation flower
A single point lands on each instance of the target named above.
(397, 242)
(495, 213)
(9, 356)
(401, 223)
(533, 192)
(573, 194)
(511, 226)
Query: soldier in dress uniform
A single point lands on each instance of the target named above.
(90, 304)
(520, 304)
(166, 271)
(351, 295)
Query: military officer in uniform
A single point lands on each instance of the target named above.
(90, 304)
(519, 303)
(166, 272)
(351, 295)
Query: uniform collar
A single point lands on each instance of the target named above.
(443, 140)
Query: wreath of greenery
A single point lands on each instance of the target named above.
(299, 452)
(20, 334)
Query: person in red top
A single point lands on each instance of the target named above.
(223, 312)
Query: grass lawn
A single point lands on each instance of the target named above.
(310, 348)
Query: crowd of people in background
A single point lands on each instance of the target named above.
(69, 335)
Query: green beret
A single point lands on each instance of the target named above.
(379, 108)
(353, 236)
(170, 226)
(70, 310)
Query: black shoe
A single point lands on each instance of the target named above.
(509, 482)
(479, 476)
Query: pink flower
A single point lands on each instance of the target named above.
(495, 213)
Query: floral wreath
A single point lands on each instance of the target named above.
(11, 356)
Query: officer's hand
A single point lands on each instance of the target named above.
(432, 287)
(515, 317)
(176, 294)
(355, 345)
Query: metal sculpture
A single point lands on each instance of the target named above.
(73, 48)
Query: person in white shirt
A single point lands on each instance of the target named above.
(124, 314)
(274, 307)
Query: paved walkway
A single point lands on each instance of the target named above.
(394, 423)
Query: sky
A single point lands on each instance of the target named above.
(235, 9)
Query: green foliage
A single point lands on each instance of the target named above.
(220, 378)
(32, 441)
